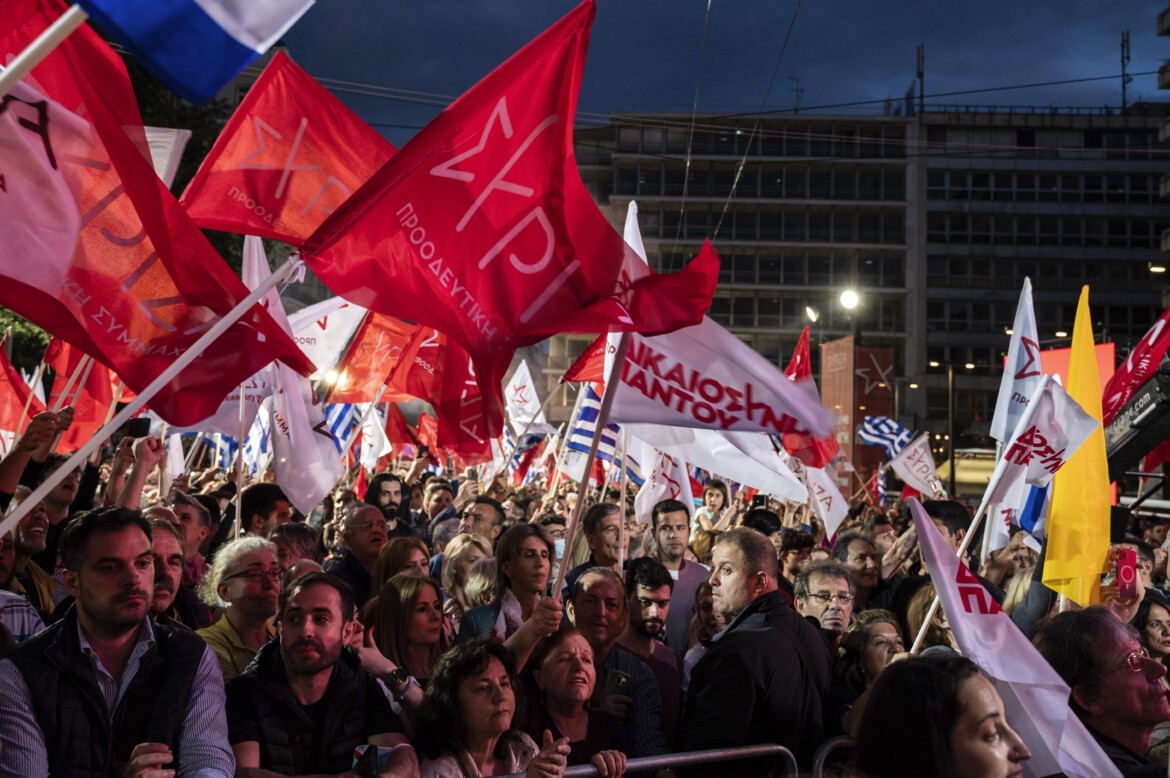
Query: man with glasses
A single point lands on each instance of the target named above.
(824, 590)
(672, 534)
(105, 691)
(1116, 689)
(363, 533)
(246, 576)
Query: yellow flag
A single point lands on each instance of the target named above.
(1078, 521)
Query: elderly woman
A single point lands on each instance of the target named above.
(459, 557)
(564, 676)
(935, 716)
(871, 642)
(520, 615)
(246, 577)
(468, 712)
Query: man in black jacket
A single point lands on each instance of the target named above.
(305, 704)
(763, 679)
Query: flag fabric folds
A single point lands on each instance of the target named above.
(1144, 358)
(914, 464)
(142, 282)
(885, 432)
(812, 451)
(288, 157)
(1035, 698)
(14, 393)
(518, 250)
(590, 366)
(90, 400)
(1022, 371)
(666, 479)
(523, 404)
(322, 331)
(196, 46)
(373, 353)
(1078, 516)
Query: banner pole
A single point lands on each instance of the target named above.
(349, 439)
(135, 405)
(602, 420)
(962, 550)
(240, 467)
(40, 48)
(32, 391)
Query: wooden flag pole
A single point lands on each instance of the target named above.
(240, 469)
(60, 401)
(32, 390)
(602, 420)
(625, 540)
(187, 357)
(560, 460)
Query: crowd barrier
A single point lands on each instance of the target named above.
(687, 758)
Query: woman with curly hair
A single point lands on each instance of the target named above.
(872, 641)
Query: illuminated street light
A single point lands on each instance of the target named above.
(811, 314)
(849, 299)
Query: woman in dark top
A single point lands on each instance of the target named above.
(870, 643)
(564, 678)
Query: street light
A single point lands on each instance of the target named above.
(849, 299)
(811, 314)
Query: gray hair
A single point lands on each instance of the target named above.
(225, 559)
(827, 567)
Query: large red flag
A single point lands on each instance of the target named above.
(483, 229)
(14, 393)
(397, 431)
(590, 366)
(93, 402)
(288, 157)
(812, 451)
(376, 348)
(1138, 367)
(428, 432)
(142, 283)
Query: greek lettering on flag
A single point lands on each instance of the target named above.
(1022, 370)
(885, 432)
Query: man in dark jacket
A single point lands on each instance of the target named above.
(363, 533)
(763, 679)
(105, 691)
(305, 704)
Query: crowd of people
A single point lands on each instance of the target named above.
(415, 628)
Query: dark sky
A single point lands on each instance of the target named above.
(645, 56)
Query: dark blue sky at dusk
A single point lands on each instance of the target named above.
(645, 56)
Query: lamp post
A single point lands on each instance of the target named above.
(951, 417)
(849, 301)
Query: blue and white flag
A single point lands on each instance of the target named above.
(225, 450)
(342, 419)
(885, 432)
(257, 447)
(196, 46)
(881, 486)
(581, 437)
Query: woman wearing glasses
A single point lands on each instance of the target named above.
(245, 579)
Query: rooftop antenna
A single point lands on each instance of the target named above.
(1125, 78)
(798, 90)
(921, 78)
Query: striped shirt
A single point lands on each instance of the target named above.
(19, 616)
(203, 741)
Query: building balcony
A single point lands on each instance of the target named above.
(1164, 75)
(1164, 22)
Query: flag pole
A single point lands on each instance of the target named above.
(65, 390)
(602, 420)
(528, 426)
(625, 540)
(190, 460)
(962, 550)
(40, 48)
(240, 468)
(76, 396)
(32, 391)
(560, 460)
(135, 405)
(361, 423)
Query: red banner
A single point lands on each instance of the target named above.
(375, 350)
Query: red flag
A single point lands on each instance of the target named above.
(397, 431)
(813, 452)
(91, 406)
(376, 348)
(143, 282)
(288, 157)
(360, 485)
(483, 228)
(453, 392)
(590, 366)
(1137, 368)
(428, 432)
(13, 395)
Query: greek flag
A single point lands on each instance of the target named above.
(257, 449)
(529, 442)
(342, 419)
(581, 436)
(881, 487)
(885, 432)
(225, 450)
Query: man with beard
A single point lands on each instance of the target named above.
(385, 494)
(105, 691)
(672, 534)
(649, 602)
(171, 602)
(305, 703)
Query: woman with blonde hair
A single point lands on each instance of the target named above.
(459, 557)
(939, 632)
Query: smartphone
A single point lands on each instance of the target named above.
(138, 428)
(472, 474)
(424, 451)
(365, 761)
(1127, 574)
(617, 682)
(760, 501)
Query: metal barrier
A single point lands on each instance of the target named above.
(827, 748)
(686, 758)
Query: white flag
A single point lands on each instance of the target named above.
(827, 502)
(166, 151)
(1022, 371)
(523, 405)
(666, 479)
(914, 464)
(704, 377)
(1035, 698)
(305, 458)
(1053, 427)
(173, 463)
(323, 331)
(375, 444)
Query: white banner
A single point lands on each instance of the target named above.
(914, 464)
(1034, 696)
(1022, 371)
(827, 502)
(323, 331)
(523, 405)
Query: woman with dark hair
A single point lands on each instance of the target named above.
(521, 614)
(409, 624)
(467, 712)
(1153, 625)
(872, 641)
(937, 716)
(400, 555)
(564, 678)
